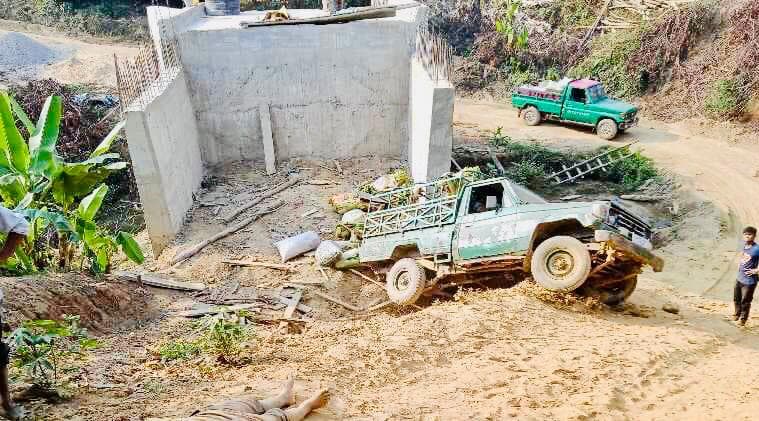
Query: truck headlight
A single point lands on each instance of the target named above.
(600, 210)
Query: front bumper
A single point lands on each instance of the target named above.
(628, 124)
(623, 245)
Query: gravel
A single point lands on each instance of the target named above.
(21, 54)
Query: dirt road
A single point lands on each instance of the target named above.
(28, 55)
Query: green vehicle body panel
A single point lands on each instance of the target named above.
(506, 231)
(566, 109)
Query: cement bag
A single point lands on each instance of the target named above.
(297, 245)
(353, 217)
(327, 253)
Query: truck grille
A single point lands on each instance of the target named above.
(627, 222)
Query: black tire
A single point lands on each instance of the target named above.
(560, 263)
(607, 129)
(613, 295)
(531, 115)
(406, 281)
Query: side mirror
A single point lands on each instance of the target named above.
(491, 203)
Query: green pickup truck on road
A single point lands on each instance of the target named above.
(458, 231)
(580, 101)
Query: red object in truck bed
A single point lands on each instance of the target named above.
(538, 92)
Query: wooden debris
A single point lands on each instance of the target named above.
(324, 274)
(291, 182)
(200, 246)
(299, 306)
(290, 310)
(378, 306)
(309, 213)
(158, 281)
(214, 309)
(339, 167)
(269, 156)
(374, 281)
(318, 182)
(277, 266)
(335, 300)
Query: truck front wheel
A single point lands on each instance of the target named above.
(406, 281)
(611, 295)
(607, 129)
(560, 263)
(531, 116)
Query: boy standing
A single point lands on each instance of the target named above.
(748, 275)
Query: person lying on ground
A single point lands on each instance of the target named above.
(275, 408)
(16, 228)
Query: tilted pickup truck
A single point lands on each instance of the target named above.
(458, 231)
(581, 101)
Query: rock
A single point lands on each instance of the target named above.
(385, 183)
(671, 308)
(353, 217)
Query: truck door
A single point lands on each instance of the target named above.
(482, 231)
(575, 106)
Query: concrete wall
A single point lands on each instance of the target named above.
(334, 91)
(164, 146)
(430, 121)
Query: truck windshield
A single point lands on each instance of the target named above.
(596, 93)
(525, 195)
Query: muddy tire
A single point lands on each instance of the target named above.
(607, 129)
(531, 116)
(406, 281)
(560, 263)
(613, 295)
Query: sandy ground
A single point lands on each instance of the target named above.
(77, 61)
(487, 355)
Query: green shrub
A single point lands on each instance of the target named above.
(724, 99)
(224, 340)
(608, 62)
(178, 350)
(48, 350)
(526, 173)
(632, 171)
(498, 139)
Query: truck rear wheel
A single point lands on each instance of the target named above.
(560, 263)
(613, 294)
(607, 129)
(531, 116)
(406, 281)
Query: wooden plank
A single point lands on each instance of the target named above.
(290, 310)
(214, 309)
(269, 157)
(382, 12)
(374, 281)
(276, 266)
(336, 300)
(159, 281)
(293, 181)
(300, 306)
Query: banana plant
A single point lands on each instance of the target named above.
(35, 181)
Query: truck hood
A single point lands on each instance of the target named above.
(613, 106)
(582, 211)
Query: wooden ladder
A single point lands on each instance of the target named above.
(595, 163)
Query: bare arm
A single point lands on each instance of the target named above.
(13, 241)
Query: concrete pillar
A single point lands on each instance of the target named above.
(431, 125)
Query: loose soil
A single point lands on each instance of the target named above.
(489, 354)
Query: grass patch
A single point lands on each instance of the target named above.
(724, 99)
(178, 350)
(529, 164)
(608, 62)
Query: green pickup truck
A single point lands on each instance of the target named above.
(580, 101)
(457, 231)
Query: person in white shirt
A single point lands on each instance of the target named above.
(16, 228)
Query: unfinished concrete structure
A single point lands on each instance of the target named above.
(276, 92)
